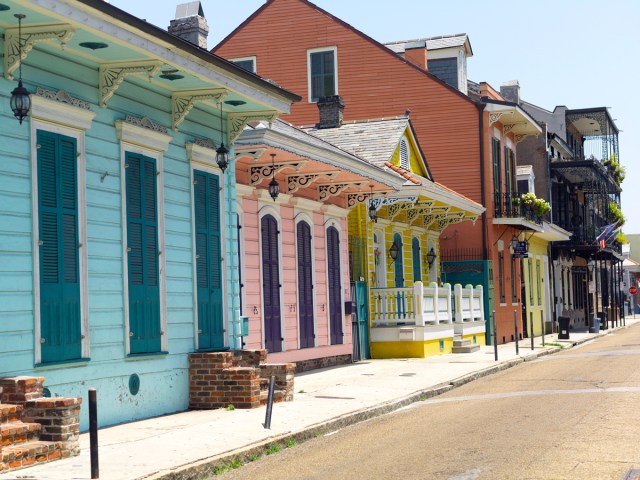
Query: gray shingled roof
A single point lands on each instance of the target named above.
(374, 140)
(432, 43)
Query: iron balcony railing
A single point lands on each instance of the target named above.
(509, 205)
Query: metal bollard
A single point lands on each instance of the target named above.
(267, 417)
(542, 322)
(93, 433)
(495, 336)
(531, 329)
(515, 324)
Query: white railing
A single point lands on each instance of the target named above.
(469, 303)
(392, 306)
(420, 305)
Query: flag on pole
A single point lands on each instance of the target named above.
(604, 235)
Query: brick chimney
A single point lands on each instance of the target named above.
(331, 109)
(510, 91)
(416, 53)
(190, 24)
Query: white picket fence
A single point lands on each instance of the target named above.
(424, 306)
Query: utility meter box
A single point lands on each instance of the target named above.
(244, 326)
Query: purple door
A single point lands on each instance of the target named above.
(271, 284)
(305, 285)
(333, 273)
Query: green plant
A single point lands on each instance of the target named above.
(528, 199)
(621, 238)
(618, 171)
(539, 205)
(615, 214)
(292, 442)
(254, 457)
(559, 345)
(230, 407)
(273, 448)
(301, 391)
(317, 433)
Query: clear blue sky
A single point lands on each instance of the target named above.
(565, 52)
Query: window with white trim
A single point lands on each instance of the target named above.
(323, 72)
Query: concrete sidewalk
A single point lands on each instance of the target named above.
(187, 445)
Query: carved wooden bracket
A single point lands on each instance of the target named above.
(332, 189)
(112, 75)
(296, 182)
(237, 121)
(258, 173)
(182, 102)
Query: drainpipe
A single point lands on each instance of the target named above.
(480, 107)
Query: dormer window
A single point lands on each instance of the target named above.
(404, 154)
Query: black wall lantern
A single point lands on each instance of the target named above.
(373, 213)
(394, 251)
(222, 154)
(515, 243)
(20, 101)
(431, 257)
(274, 187)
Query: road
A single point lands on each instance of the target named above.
(571, 415)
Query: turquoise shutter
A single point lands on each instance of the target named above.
(60, 321)
(415, 252)
(142, 247)
(208, 261)
(398, 265)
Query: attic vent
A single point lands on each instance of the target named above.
(404, 154)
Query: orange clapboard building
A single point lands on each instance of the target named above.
(307, 50)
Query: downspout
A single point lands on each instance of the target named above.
(480, 107)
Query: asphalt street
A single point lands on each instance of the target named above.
(572, 415)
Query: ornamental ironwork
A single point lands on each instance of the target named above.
(258, 173)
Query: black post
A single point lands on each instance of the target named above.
(267, 417)
(515, 324)
(542, 322)
(531, 329)
(93, 433)
(495, 337)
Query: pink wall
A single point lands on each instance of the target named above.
(252, 284)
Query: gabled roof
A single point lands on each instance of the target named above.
(285, 136)
(355, 31)
(433, 43)
(372, 140)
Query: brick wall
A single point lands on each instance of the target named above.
(59, 419)
(218, 379)
(324, 362)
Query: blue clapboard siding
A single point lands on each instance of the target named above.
(164, 379)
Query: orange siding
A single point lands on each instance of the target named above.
(445, 121)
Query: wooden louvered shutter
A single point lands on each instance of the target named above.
(142, 247)
(60, 320)
(271, 284)
(305, 285)
(398, 264)
(334, 274)
(208, 261)
(415, 251)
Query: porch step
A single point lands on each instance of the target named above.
(464, 346)
(16, 433)
(9, 413)
(27, 454)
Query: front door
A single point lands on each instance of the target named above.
(271, 284)
(305, 285)
(362, 313)
(333, 272)
(206, 193)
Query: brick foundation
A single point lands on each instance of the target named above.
(218, 379)
(324, 362)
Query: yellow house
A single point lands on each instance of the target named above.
(394, 245)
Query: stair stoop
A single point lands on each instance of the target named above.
(34, 429)
(219, 379)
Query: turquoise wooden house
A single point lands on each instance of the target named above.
(118, 235)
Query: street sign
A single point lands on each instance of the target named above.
(521, 248)
(633, 290)
(520, 255)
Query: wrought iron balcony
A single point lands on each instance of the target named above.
(509, 205)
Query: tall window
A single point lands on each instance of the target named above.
(501, 276)
(322, 73)
(514, 296)
(510, 161)
(497, 186)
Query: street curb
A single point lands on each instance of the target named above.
(204, 469)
